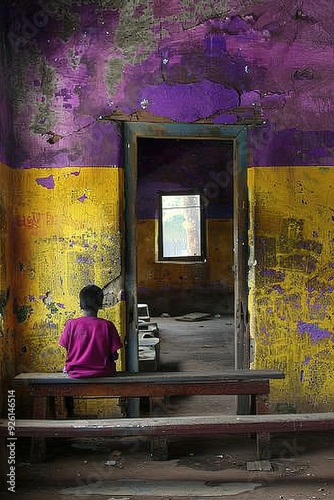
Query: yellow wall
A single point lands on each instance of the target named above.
(6, 318)
(67, 227)
(292, 282)
(217, 269)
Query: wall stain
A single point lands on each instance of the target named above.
(23, 312)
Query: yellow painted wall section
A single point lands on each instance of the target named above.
(6, 318)
(217, 269)
(292, 282)
(67, 227)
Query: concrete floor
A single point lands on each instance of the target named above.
(205, 346)
(201, 467)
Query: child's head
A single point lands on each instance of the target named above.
(91, 298)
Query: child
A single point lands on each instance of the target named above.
(91, 342)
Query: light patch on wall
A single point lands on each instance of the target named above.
(47, 300)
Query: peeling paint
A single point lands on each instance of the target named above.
(79, 238)
(117, 54)
(82, 198)
(317, 334)
(47, 182)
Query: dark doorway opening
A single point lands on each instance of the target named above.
(228, 137)
(174, 166)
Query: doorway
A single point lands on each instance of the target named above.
(172, 158)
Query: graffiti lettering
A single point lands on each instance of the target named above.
(34, 220)
(28, 221)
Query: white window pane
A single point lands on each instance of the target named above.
(181, 226)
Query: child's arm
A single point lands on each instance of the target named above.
(63, 341)
(116, 343)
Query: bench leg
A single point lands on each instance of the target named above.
(263, 446)
(159, 444)
(61, 407)
(159, 448)
(244, 406)
(261, 404)
(38, 444)
(158, 406)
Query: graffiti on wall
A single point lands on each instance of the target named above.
(292, 274)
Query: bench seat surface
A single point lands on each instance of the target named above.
(157, 377)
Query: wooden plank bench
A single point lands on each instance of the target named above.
(161, 426)
(46, 387)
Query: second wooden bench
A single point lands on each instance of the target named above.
(54, 387)
(156, 427)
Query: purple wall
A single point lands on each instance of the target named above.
(176, 59)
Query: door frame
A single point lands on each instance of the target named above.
(232, 133)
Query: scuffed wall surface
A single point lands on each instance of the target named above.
(7, 359)
(291, 285)
(224, 61)
(66, 236)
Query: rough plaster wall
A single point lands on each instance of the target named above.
(6, 324)
(222, 61)
(291, 285)
(66, 237)
(6, 319)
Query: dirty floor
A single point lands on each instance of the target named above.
(200, 468)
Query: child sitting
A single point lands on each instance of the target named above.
(91, 342)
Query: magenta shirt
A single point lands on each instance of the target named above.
(90, 343)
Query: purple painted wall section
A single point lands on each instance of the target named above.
(184, 61)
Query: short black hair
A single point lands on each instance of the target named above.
(91, 298)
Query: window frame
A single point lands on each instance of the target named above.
(203, 236)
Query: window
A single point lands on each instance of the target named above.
(181, 226)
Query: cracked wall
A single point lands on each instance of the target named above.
(225, 61)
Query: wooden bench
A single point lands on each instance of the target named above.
(47, 388)
(161, 426)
